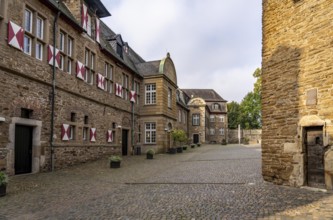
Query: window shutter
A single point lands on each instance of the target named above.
(15, 35)
(84, 16)
(50, 56)
(100, 81)
(65, 132)
(133, 96)
(80, 70)
(97, 30)
(119, 90)
(92, 134)
(109, 136)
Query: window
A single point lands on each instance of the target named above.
(221, 118)
(150, 133)
(34, 26)
(212, 131)
(150, 94)
(179, 115)
(28, 20)
(221, 131)
(212, 118)
(72, 132)
(89, 32)
(85, 133)
(196, 119)
(40, 28)
(169, 97)
(108, 74)
(125, 86)
(73, 117)
(184, 117)
(26, 113)
(27, 45)
(90, 66)
(216, 106)
(137, 91)
(66, 45)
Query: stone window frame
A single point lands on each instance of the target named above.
(136, 88)
(196, 119)
(108, 74)
(169, 97)
(221, 118)
(150, 133)
(221, 131)
(212, 131)
(36, 42)
(179, 116)
(89, 62)
(150, 94)
(125, 85)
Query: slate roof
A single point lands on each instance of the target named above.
(206, 94)
(148, 68)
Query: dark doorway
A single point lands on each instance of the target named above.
(195, 138)
(124, 142)
(23, 149)
(315, 157)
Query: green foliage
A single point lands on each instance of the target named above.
(248, 112)
(179, 136)
(115, 158)
(3, 178)
(151, 151)
(233, 115)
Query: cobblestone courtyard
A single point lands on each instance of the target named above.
(208, 182)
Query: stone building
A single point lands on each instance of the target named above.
(208, 113)
(73, 91)
(297, 93)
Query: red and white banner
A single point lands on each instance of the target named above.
(133, 96)
(119, 90)
(84, 16)
(109, 136)
(100, 81)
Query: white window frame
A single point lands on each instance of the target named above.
(39, 51)
(196, 119)
(69, 66)
(85, 132)
(212, 131)
(27, 46)
(89, 25)
(62, 42)
(40, 28)
(221, 131)
(150, 133)
(30, 20)
(150, 96)
(212, 118)
(69, 46)
(72, 132)
(221, 118)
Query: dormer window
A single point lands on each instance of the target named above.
(216, 106)
(119, 50)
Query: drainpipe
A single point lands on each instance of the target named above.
(133, 148)
(55, 24)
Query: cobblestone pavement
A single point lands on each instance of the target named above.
(208, 182)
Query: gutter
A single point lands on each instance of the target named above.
(55, 24)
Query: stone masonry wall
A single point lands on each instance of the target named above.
(296, 83)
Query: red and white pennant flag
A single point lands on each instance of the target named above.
(15, 35)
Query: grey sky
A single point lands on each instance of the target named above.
(215, 44)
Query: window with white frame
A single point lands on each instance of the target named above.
(150, 94)
(72, 132)
(150, 131)
(221, 131)
(212, 118)
(169, 97)
(215, 106)
(65, 45)
(89, 28)
(108, 74)
(90, 66)
(34, 26)
(196, 119)
(212, 131)
(221, 118)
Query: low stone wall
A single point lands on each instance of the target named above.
(247, 136)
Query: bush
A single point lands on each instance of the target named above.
(151, 151)
(115, 158)
(3, 178)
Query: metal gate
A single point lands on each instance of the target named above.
(315, 157)
(23, 149)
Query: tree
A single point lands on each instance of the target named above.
(233, 115)
(248, 112)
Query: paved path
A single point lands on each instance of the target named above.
(209, 182)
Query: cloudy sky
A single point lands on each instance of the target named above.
(215, 44)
